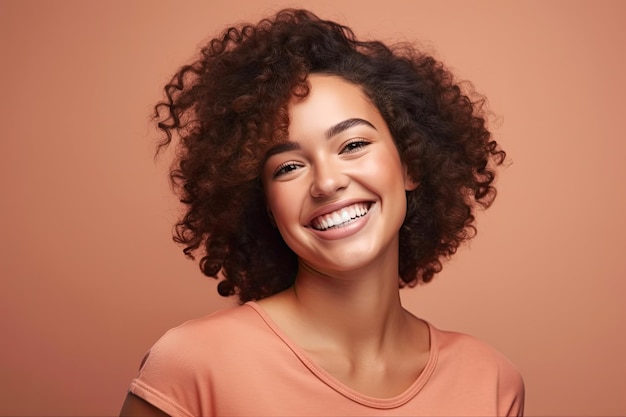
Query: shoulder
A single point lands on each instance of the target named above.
(466, 348)
(472, 362)
(224, 321)
(204, 344)
(189, 358)
(223, 328)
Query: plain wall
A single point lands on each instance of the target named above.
(90, 277)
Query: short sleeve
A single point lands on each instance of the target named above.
(168, 377)
(511, 389)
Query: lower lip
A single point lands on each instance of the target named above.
(342, 232)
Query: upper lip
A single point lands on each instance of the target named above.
(329, 208)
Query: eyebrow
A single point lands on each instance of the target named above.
(280, 148)
(345, 125)
(330, 132)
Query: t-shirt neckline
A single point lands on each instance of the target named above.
(328, 379)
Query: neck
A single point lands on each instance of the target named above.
(360, 311)
(353, 326)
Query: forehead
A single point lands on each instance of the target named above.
(331, 100)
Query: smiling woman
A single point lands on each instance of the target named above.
(341, 161)
(321, 174)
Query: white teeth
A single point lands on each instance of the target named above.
(340, 217)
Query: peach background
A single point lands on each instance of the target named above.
(90, 277)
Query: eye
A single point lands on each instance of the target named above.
(286, 168)
(354, 145)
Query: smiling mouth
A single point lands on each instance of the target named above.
(341, 217)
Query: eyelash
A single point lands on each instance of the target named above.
(354, 145)
(286, 168)
(350, 147)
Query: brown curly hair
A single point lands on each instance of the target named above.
(230, 105)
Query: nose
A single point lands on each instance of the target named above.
(328, 178)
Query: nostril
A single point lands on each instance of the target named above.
(326, 182)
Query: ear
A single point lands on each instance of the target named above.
(409, 183)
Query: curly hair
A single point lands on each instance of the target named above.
(230, 105)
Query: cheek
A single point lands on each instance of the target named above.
(280, 203)
(386, 171)
(285, 215)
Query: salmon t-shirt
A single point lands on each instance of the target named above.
(237, 362)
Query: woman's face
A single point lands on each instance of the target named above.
(336, 189)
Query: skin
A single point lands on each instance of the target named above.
(344, 309)
(135, 406)
(340, 153)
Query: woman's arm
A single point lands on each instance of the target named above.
(135, 407)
